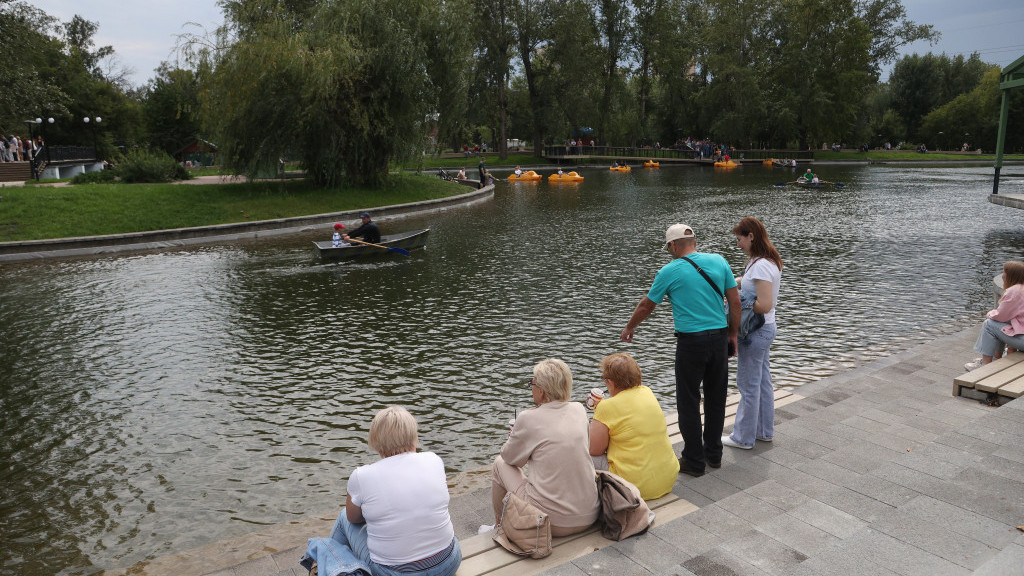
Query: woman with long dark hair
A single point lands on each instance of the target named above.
(762, 274)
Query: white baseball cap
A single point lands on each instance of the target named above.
(677, 231)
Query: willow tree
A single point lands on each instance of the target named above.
(346, 88)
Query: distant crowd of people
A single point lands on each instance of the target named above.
(704, 148)
(15, 149)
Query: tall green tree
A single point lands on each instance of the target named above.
(346, 89)
(171, 107)
(973, 118)
(823, 67)
(495, 48)
(615, 24)
(574, 59)
(921, 83)
(28, 92)
(532, 18)
(734, 45)
(448, 46)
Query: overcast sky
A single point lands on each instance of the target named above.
(142, 32)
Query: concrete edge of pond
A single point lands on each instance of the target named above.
(158, 239)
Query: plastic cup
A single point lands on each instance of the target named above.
(595, 396)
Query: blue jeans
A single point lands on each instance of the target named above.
(992, 338)
(755, 415)
(346, 553)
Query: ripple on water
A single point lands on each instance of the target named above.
(157, 402)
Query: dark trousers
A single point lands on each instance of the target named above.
(702, 357)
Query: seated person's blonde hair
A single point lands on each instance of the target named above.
(393, 431)
(554, 378)
(622, 369)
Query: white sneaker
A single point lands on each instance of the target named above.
(973, 365)
(484, 528)
(728, 441)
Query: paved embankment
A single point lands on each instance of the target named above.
(878, 470)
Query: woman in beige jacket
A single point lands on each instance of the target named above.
(553, 439)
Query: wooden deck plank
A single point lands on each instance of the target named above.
(1013, 389)
(732, 401)
(1008, 374)
(497, 561)
(971, 379)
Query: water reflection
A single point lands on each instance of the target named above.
(157, 402)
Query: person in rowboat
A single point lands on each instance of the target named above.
(368, 231)
(336, 240)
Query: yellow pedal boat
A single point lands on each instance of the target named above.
(729, 164)
(566, 177)
(620, 168)
(527, 176)
(652, 164)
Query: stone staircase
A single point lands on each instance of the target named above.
(15, 171)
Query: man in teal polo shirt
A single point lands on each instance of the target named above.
(696, 283)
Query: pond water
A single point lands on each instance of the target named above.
(157, 402)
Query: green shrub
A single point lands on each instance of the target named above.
(99, 177)
(143, 166)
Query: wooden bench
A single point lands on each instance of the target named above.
(481, 555)
(1003, 377)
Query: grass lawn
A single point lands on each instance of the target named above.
(40, 212)
(895, 155)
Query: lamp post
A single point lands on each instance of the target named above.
(94, 121)
(31, 145)
(45, 144)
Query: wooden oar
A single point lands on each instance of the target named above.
(401, 251)
(837, 184)
(785, 183)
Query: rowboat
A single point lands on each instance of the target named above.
(406, 241)
(565, 177)
(808, 184)
(528, 176)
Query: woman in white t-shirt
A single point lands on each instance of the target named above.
(395, 520)
(762, 274)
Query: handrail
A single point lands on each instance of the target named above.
(682, 153)
(70, 153)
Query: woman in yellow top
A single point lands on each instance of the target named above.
(630, 427)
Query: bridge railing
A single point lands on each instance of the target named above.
(562, 151)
